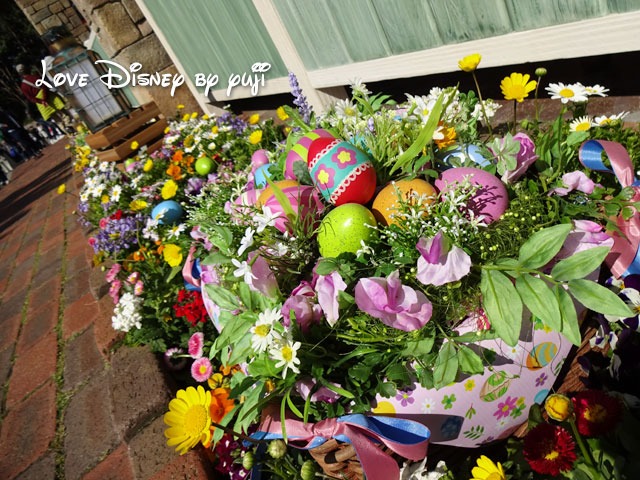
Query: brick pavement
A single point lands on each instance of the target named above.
(72, 404)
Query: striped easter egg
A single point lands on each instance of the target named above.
(495, 386)
(300, 151)
(541, 355)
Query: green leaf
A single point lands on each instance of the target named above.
(473, 337)
(542, 246)
(470, 361)
(301, 172)
(398, 374)
(580, 264)
(216, 258)
(232, 332)
(291, 405)
(627, 213)
(598, 298)
(570, 326)
(262, 366)
(418, 348)
(244, 292)
(222, 297)
(574, 138)
(326, 266)
(241, 350)
(539, 298)
(336, 389)
(387, 389)
(174, 271)
(360, 372)
(446, 366)
(535, 416)
(502, 305)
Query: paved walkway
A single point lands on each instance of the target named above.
(72, 404)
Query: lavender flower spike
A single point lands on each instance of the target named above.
(299, 99)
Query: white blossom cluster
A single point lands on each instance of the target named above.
(126, 314)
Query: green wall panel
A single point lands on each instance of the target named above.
(216, 36)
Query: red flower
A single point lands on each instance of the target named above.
(596, 412)
(117, 215)
(549, 449)
(190, 305)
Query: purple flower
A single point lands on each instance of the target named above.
(118, 235)
(327, 287)
(438, 264)
(196, 234)
(303, 303)
(194, 185)
(299, 99)
(574, 181)
(541, 379)
(265, 281)
(323, 394)
(404, 397)
(172, 359)
(525, 158)
(394, 304)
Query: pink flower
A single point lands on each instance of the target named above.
(114, 290)
(438, 264)
(138, 287)
(394, 304)
(324, 177)
(344, 157)
(129, 168)
(323, 394)
(574, 181)
(525, 158)
(265, 281)
(196, 234)
(302, 302)
(504, 408)
(92, 241)
(196, 344)
(133, 278)
(103, 223)
(113, 272)
(327, 288)
(201, 369)
(584, 235)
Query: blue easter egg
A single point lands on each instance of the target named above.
(171, 215)
(463, 153)
(260, 177)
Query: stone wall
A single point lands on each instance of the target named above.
(45, 14)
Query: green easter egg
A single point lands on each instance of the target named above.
(129, 161)
(343, 228)
(203, 165)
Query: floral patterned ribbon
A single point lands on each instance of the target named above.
(405, 437)
(624, 258)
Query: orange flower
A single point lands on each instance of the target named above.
(137, 256)
(445, 136)
(177, 157)
(160, 249)
(220, 406)
(227, 370)
(174, 171)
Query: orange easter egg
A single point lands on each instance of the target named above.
(385, 205)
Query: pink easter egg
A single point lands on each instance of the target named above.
(305, 201)
(491, 200)
(242, 203)
(300, 151)
(258, 159)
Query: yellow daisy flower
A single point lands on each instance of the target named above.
(166, 130)
(255, 137)
(148, 165)
(61, 189)
(189, 419)
(134, 145)
(180, 107)
(517, 86)
(470, 62)
(581, 124)
(487, 470)
(169, 189)
(194, 115)
(214, 129)
(282, 115)
(105, 199)
(136, 205)
(172, 254)
(253, 119)
(186, 117)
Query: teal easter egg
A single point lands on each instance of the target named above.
(300, 151)
(541, 355)
(344, 227)
(171, 212)
(341, 172)
(204, 165)
(260, 177)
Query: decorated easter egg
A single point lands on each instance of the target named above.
(268, 191)
(300, 151)
(261, 174)
(172, 212)
(204, 165)
(385, 205)
(258, 159)
(304, 201)
(242, 203)
(342, 172)
(343, 229)
(541, 355)
(495, 386)
(463, 153)
(490, 200)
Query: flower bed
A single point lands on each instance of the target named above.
(406, 260)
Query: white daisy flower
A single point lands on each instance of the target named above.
(567, 93)
(84, 196)
(346, 111)
(103, 167)
(226, 146)
(263, 331)
(176, 230)
(358, 86)
(160, 214)
(285, 352)
(265, 219)
(115, 193)
(243, 269)
(596, 90)
(581, 124)
(604, 120)
(211, 146)
(246, 241)
(427, 405)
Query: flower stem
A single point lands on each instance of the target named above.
(535, 101)
(241, 436)
(484, 112)
(586, 453)
(515, 115)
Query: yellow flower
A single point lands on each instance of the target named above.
(517, 86)
(172, 254)
(134, 145)
(253, 119)
(470, 62)
(214, 129)
(194, 115)
(169, 189)
(136, 205)
(255, 137)
(282, 115)
(470, 385)
(180, 107)
(105, 199)
(558, 407)
(166, 130)
(148, 165)
(487, 470)
(186, 117)
(61, 189)
(205, 117)
(189, 419)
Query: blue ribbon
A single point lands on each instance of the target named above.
(591, 157)
(196, 271)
